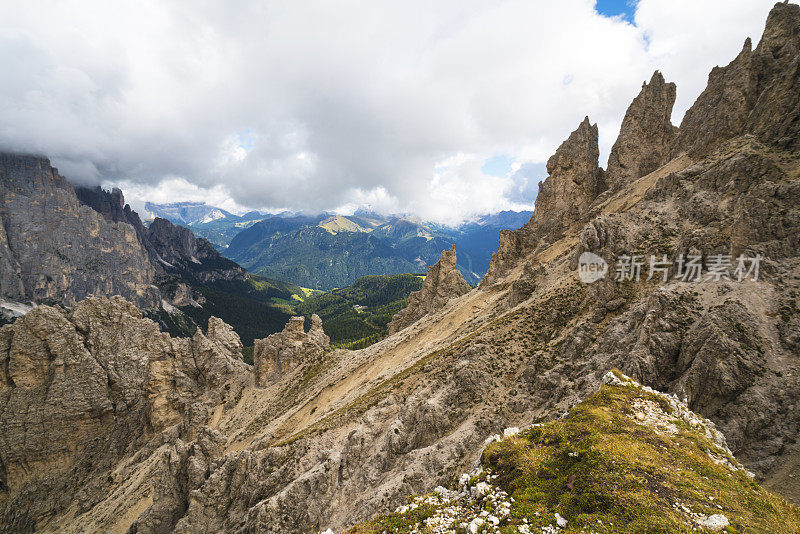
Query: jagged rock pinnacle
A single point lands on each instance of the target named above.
(442, 283)
(646, 134)
(281, 352)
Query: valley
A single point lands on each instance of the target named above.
(624, 358)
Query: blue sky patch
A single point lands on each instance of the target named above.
(497, 165)
(613, 8)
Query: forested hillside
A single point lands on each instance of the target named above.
(357, 315)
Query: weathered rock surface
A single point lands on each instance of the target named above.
(81, 389)
(565, 197)
(111, 205)
(324, 446)
(574, 181)
(645, 136)
(54, 250)
(755, 93)
(281, 352)
(442, 283)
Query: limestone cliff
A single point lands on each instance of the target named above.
(79, 390)
(442, 283)
(53, 249)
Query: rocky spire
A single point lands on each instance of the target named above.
(775, 118)
(565, 197)
(721, 110)
(442, 283)
(575, 181)
(645, 136)
(279, 353)
(742, 97)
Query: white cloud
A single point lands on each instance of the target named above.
(322, 105)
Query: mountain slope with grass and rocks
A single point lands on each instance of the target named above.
(177, 435)
(627, 459)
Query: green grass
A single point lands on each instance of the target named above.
(605, 472)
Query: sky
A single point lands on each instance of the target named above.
(444, 109)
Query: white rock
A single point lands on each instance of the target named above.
(329, 531)
(481, 489)
(561, 521)
(475, 524)
(511, 431)
(714, 522)
(491, 439)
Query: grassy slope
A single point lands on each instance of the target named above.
(604, 471)
(383, 296)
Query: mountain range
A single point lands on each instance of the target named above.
(567, 392)
(330, 250)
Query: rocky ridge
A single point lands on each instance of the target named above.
(180, 259)
(442, 283)
(80, 390)
(330, 444)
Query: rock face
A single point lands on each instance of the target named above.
(183, 264)
(96, 406)
(53, 249)
(111, 205)
(279, 353)
(177, 244)
(176, 254)
(442, 283)
(645, 136)
(755, 93)
(574, 182)
(80, 389)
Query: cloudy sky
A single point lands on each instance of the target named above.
(443, 108)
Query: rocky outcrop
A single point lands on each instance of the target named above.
(646, 134)
(174, 250)
(111, 205)
(81, 389)
(182, 263)
(53, 249)
(281, 352)
(575, 180)
(442, 283)
(183, 467)
(755, 93)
